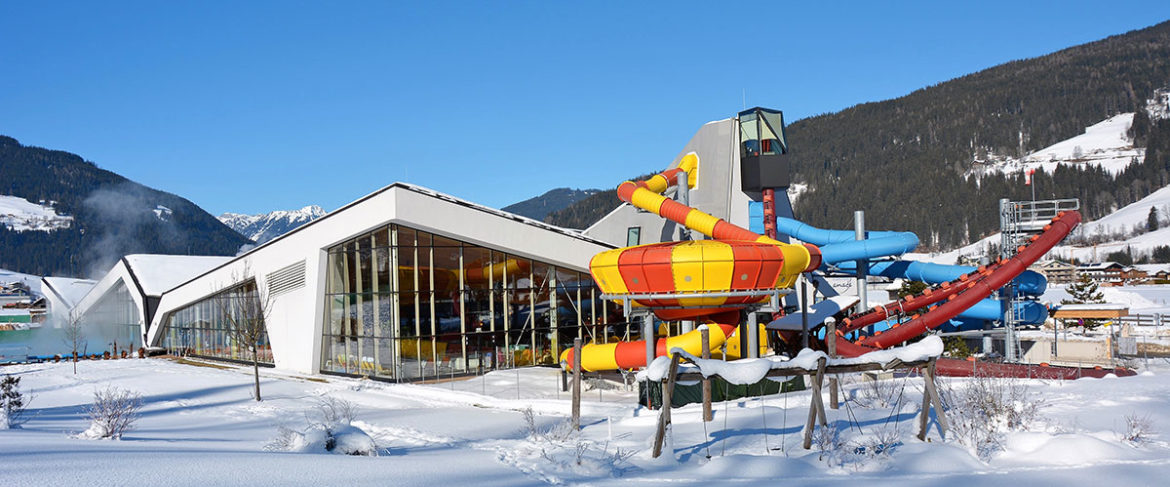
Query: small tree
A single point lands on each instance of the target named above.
(1152, 220)
(74, 335)
(12, 403)
(1084, 291)
(244, 311)
(911, 287)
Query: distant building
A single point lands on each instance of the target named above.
(1055, 271)
(1104, 272)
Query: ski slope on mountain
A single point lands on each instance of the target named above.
(22, 215)
(1104, 144)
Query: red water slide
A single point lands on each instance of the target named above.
(954, 297)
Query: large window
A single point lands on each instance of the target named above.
(405, 304)
(114, 320)
(204, 328)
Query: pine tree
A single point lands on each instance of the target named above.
(1152, 220)
(1085, 291)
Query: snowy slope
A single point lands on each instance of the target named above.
(1132, 215)
(1123, 220)
(21, 215)
(267, 226)
(1103, 144)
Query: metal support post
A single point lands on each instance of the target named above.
(648, 336)
(862, 265)
(683, 196)
(753, 336)
(804, 312)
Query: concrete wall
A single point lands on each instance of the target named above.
(716, 191)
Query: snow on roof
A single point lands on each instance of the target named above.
(1100, 266)
(68, 289)
(1153, 268)
(33, 282)
(159, 273)
(1093, 307)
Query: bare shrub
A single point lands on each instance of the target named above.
(333, 410)
(563, 450)
(112, 413)
(987, 409)
(13, 403)
(1137, 429)
(879, 394)
(827, 441)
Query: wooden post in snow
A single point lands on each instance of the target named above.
(930, 397)
(576, 384)
(816, 407)
(667, 397)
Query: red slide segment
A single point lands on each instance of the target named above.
(963, 294)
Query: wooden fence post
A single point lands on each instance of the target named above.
(930, 397)
(667, 397)
(816, 407)
(576, 384)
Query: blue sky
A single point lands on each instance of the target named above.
(256, 106)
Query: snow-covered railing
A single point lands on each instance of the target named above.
(921, 355)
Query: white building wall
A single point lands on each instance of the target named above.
(297, 317)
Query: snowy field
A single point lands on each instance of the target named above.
(199, 426)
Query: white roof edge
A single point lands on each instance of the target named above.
(419, 190)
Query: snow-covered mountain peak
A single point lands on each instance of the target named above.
(267, 226)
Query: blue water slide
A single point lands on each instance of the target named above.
(841, 245)
(1027, 312)
(1030, 283)
(820, 236)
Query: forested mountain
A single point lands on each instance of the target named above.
(551, 201)
(111, 216)
(907, 161)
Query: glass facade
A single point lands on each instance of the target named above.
(115, 320)
(203, 328)
(404, 304)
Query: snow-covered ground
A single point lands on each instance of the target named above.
(21, 215)
(1104, 144)
(199, 425)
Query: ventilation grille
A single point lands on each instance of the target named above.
(286, 279)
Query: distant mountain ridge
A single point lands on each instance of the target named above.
(110, 216)
(551, 201)
(267, 226)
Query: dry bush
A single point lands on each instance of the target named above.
(113, 412)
